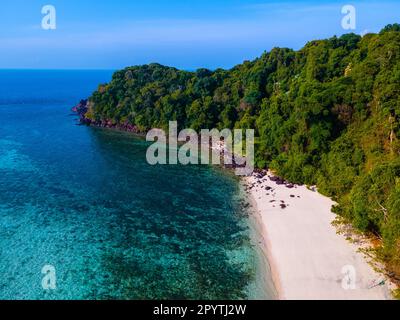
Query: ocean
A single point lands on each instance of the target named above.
(85, 202)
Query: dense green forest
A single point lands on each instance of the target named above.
(327, 114)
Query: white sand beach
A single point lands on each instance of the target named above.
(308, 258)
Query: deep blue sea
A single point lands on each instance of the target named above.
(85, 201)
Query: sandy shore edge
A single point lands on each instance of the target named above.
(307, 257)
(264, 243)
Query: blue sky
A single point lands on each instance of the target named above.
(111, 34)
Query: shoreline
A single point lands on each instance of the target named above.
(308, 259)
(263, 243)
(275, 256)
(265, 269)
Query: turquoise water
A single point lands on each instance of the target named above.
(85, 201)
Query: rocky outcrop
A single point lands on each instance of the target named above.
(81, 110)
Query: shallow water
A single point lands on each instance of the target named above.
(85, 201)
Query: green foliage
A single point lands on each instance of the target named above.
(391, 27)
(328, 114)
(396, 294)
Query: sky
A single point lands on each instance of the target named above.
(112, 34)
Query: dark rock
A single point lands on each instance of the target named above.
(82, 108)
(259, 174)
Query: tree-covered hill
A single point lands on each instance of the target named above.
(328, 114)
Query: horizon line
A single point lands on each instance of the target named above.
(58, 69)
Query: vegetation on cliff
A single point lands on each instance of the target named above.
(327, 114)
